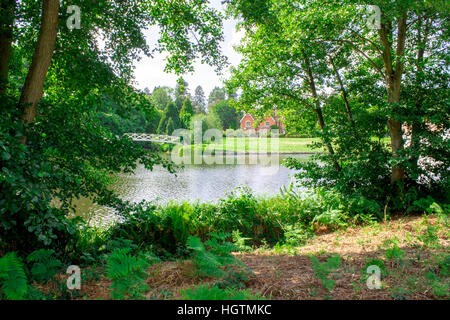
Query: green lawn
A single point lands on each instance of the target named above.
(252, 144)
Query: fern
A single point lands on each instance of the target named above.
(211, 259)
(333, 218)
(12, 277)
(239, 241)
(394, 252)
(45, 265)
(128, 274)
(323, 270)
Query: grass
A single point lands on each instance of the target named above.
(254, 145)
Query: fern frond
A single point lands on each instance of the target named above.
(12, 277)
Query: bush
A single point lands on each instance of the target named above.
(241, 211)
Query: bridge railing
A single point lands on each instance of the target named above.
(153, 137)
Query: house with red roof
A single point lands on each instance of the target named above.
(249, 123)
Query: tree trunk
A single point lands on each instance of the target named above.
(395, 129)
(7, 8)
(393, 78)
(344, 94)
(43, 53)
(319, 113)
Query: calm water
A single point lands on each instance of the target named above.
(202, 182)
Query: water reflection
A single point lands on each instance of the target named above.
(205, 183)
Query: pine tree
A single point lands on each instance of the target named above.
(171, 112)
(215, 96)
(186, 113)
(170, 128)
(199, 100)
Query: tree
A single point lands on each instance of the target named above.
(186, 113)
(296, 51)
(200, 123)
(179, 103)
(147, 91)
(143, 14)
(43, 53)
(182, 89)
(199, 100)
(70, 80)
(160, 97)
(228, 116)
(7, 9)
(170, 128)
(291, 82)
(171, 112)
(215, 96)
(385, 50)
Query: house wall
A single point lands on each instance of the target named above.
(262, 126)
(244, 120)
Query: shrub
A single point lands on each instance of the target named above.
(333, 218)
(165, 228)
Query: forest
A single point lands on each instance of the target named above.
(362, 88)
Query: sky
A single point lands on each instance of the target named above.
(149, 71)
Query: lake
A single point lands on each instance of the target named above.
(194, 182)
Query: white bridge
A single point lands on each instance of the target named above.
(159, 138)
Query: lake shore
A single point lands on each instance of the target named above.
(254, 145)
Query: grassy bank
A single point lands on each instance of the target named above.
(255, 145)
(289, 246)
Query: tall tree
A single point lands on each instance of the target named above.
(160, 97)
(122, 24)
(186, 113)
(216, 95)
(376, 51)
(43, 53)
(182, 89)
(170, 127)
(7, 9)
(228, 116)
(199, 100)
(171, 112)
